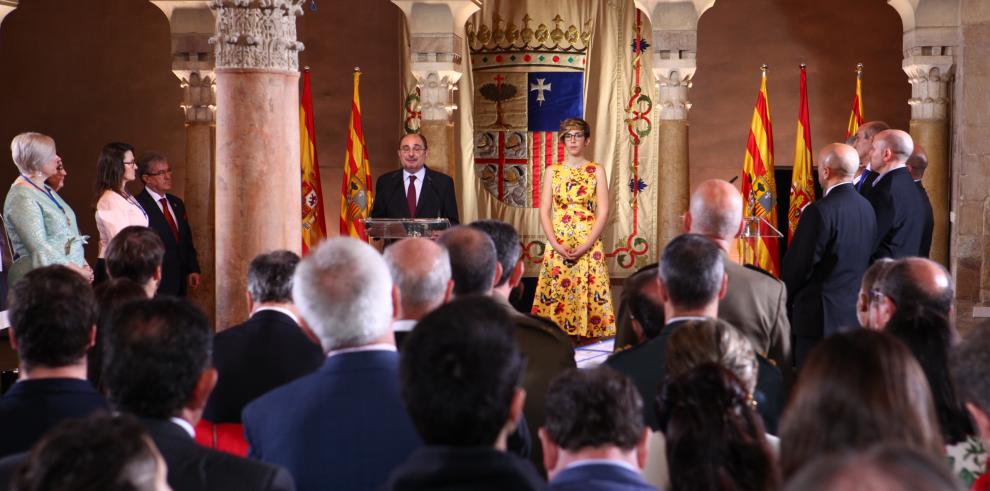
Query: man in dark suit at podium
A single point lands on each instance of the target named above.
(415, 191)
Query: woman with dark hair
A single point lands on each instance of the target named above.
(115, 207)
(931, 337)
(856, 390)
(99, 453)
(715, 438)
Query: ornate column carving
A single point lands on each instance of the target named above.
(257, 185)
(674, 80)
(930, 77)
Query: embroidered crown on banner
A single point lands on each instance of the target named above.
(505, 45)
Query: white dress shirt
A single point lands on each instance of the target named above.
(418, 183)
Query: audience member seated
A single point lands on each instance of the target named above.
(420, 270)
(715, 440)
(52, 316)
(136, 253)
(971, 373)
(594, 438)
(98, 453)
(882, 468)
(640, 311)
(695, 344)
(110, 296)
(870, 277)
(157, 367)
(857, 389)
(268, 350)
(344, 425)
(910, 281)
(547, 348)
(460, 375)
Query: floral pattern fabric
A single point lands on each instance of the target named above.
(575, 294)
(968, 460)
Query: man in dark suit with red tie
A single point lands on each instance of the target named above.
(167, 217)
(415, 191)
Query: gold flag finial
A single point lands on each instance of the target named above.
(803, 66)
(764, 68)
(859, 69)
(357, 69)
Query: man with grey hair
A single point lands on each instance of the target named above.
(343, 425)
(828, 253)
(420, 270)
(896, 201)
(862, 141)
(271, 349)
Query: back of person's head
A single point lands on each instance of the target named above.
(593, 408)
(52, 314)
(473, 259)
(871, 128)
(154, 354)
(714, 437)
(98, 453)
(270, 276)
(971, 373)
(420, 269)
(135, 253)
(857, 389)
(917, 163)
(459, 372)
(691, 271)
(697, 342)
(716, 209)
(870, 277)
(881, 468)
(642, 298)
(930, 337)
(110, 296)
(344, 292)
(507, 245)
(917, 280)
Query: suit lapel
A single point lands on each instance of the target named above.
(425, 195)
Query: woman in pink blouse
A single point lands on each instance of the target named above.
(115, 207)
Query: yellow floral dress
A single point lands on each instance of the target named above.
(575, 294)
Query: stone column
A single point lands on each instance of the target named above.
(673, 72)
(929, 70)
(436, 38)
(258, 196)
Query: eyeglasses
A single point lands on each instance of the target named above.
(155, 174)
(414, 149)
(572, 136)
(133, 162)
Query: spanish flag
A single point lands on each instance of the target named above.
(856, 116)
(802, 184)
(759, 190)
(314, 222)
(355, 190)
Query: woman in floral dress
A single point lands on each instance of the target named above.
(573, 288)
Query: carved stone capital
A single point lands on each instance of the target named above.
(674, 81)
(437, 83)
(930, 76)
(199, 101)
(257, 34)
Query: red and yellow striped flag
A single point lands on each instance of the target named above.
(314, 222)
(759, 188)
(355, 191)
(802, 183)
(856, 118)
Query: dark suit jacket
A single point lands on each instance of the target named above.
(825, 262)
(342, 426)
(32, 407)
(267, 351)
(865, 184)
(599, 477)
(436, 198)
(900, 212)
(926, 234)
(192, 467)
(180, 257)
(436, 468)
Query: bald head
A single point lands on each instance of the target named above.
(914, 281)
(917, 162)
(891, 149)
(716, 210)
(421, 270)
(837, 163)
(473, 260)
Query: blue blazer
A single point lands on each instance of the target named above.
(343, 424)
(599, 477)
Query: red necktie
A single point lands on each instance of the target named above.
(170, 219)
(411, 197)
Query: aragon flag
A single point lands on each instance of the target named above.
(314, 223)
(355, 191)
(856, 118)
(802, 183)
(759, 189)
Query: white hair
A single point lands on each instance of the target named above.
(344, 292)
(421, 270)
(31, 150)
